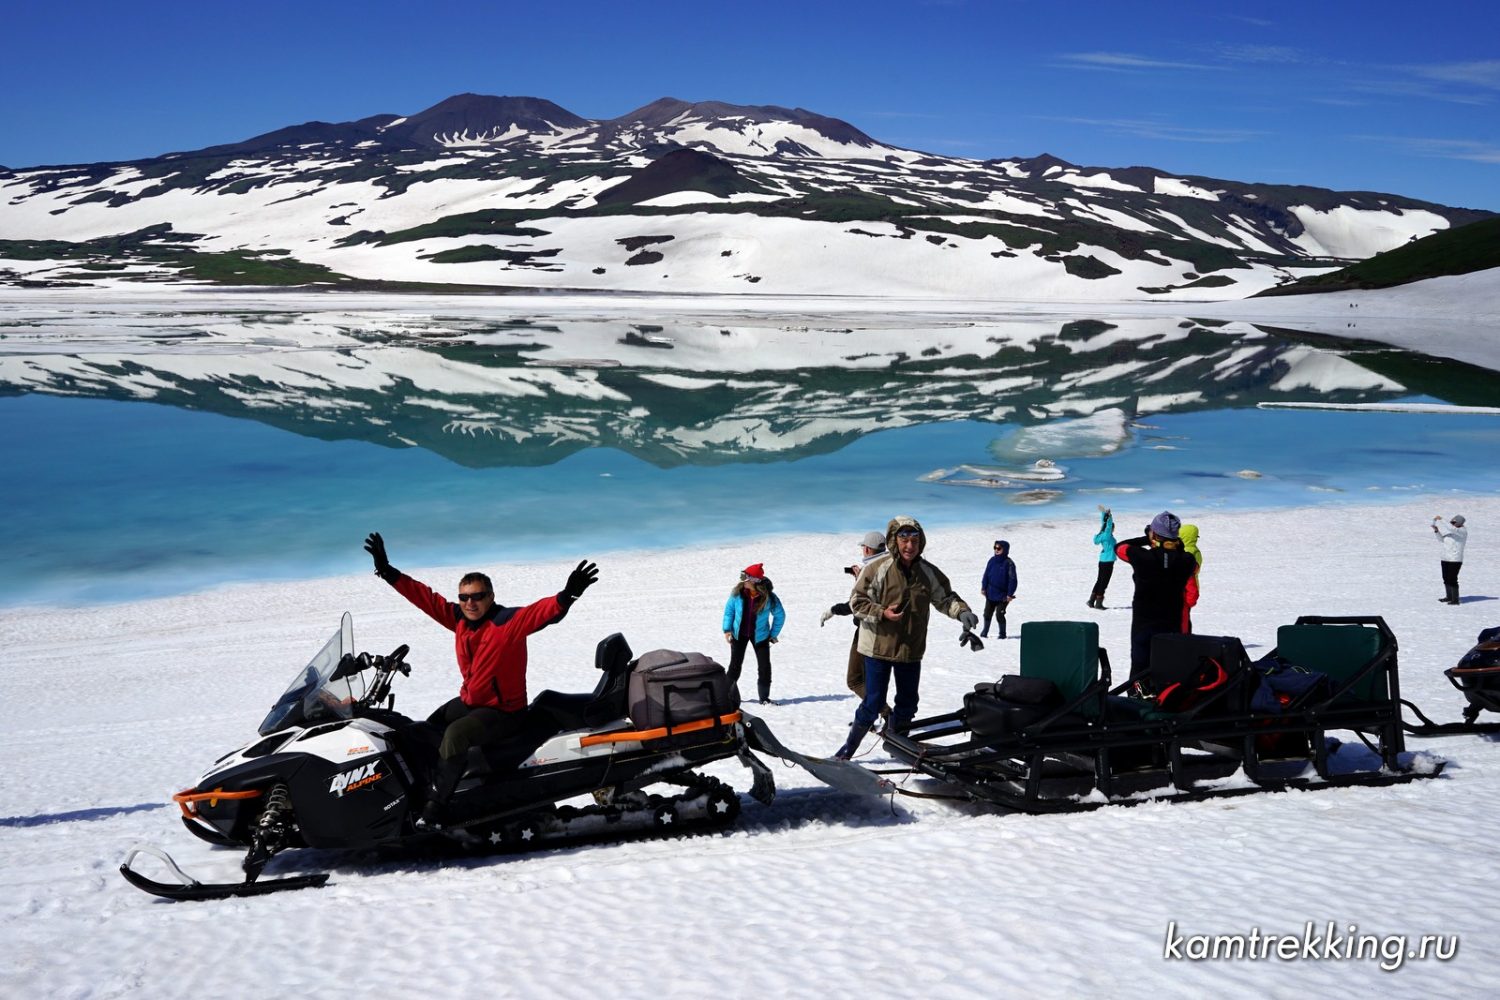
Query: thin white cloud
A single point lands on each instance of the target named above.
(1279, 55)
(1445, 149)
(1147, 129)
(1258, 22)
(1125, 62)
(1339, 102)
(1484, 74)
(1391, 86)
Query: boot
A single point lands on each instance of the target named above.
(765, 695)
(1451, 593)
(444, 781)
(851, 745)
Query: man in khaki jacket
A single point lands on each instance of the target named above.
(892, 601)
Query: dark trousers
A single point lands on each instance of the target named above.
(996, 610)
(1141, 634)
(762, 664)
(878, 680)
(1106, 570)
(855, 676)
(466, 727)
(1450, 573)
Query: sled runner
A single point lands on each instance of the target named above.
(1203, 723)
(335, 766)
(1477, 675)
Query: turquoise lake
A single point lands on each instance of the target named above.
(218, 477)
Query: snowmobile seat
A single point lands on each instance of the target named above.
(1345, 653)
(606, 703)
(1197, 676)
(1358, 656)
(553, 712)
(1068, 655)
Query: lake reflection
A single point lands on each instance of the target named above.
(276, 440)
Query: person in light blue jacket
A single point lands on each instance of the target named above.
(753, 617)
(1105, 539)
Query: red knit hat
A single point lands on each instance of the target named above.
(754, 572)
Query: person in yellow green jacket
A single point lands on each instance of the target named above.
(1188, 535)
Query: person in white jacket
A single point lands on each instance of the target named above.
(1453, 554)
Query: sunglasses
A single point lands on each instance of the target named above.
(478, 595)
(908, 533)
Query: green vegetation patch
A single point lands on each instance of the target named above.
(481, 252)
(1475, 247)
(1088, 267)
(487, 222)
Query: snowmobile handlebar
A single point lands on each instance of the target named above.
(385, 667)
(397, 660)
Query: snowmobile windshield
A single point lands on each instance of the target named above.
(320, 691)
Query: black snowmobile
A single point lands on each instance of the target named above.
(335, 766)
(1477, 675)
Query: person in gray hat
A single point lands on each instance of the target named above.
(1164, 583)
(870, 546)
(1453, 554)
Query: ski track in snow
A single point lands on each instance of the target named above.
(107, 710)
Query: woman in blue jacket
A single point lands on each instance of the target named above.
(999, 586)
(1105, 539)
(753, 617)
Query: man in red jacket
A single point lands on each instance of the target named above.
(490, 642)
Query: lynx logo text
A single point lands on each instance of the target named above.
(358, 778)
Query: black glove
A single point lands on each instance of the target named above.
(971, 640)
(584, 576)
(375, 545)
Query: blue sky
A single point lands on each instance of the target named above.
(1395, 97)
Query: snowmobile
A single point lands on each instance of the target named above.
(334, 765)
(1477, 675)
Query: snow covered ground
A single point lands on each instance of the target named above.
(1453, 317)
(105, 711)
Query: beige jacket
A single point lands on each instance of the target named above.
(915, 589)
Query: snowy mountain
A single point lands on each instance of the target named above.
(504, 192)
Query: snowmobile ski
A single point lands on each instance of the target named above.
(188, 888)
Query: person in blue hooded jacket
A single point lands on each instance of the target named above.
(753, 617)
(1105, 539)
(999, 586)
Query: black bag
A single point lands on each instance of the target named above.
(668, 688)
(1029, 691)
(1010, 705)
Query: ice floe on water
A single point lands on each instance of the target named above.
(1101, 433)
(1043, 470)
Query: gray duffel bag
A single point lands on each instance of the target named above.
(668, 688)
